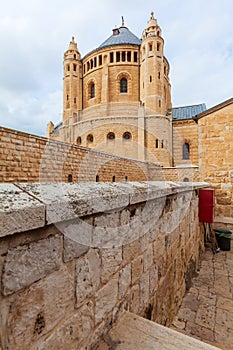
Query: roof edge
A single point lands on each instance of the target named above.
(213, 109)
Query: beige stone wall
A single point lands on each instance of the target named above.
(216, 157)
(90, 252)
(185, 131)
(28, 158)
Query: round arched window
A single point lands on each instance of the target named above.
(79, 140)
(90, 138)
(123, 85)
(111, 136)
(127, 135)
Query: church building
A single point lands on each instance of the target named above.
(117, 99)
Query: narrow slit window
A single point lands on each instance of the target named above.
(123, 85)
(186, 151)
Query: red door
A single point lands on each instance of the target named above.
(206, 206)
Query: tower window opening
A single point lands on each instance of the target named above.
(111, 136)
(129, 56)
(68, 67)
(123, 56)
(111, 57)
(79, 140)
(156, 143)
(75, 56)
(158, 46)
(162, 143)
(91, 64)
(158, 33)
(158, 75)
(84, 68)
(186, 151)
(94, 61)
(88, 66)
(150, 78)
(90, 138)
(113, 178)
(100, 60)
(159, 103)
(126, 178)
(74, 67)
(67, 97)
(74, 100)
(127, 135)
(92, 90)
(150, 47)
(70, 178)
(123, 85)
(97, 178)
(135, 56)
(118, 56)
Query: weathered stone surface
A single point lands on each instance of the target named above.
(88, 275)
(71, 334)
(111, 262)
(124, 280)
(29, 263)
(19, 211)
(39, 309)
(137, 269)
(106, 298)
(73, 249)
(133, 332)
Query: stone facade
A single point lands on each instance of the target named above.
(216, 156)
(98, 250)
(116, 98)
(29, 158)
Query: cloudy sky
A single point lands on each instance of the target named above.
(35, 33)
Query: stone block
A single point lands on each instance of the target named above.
(38, 309)
(88, 276)
(72, 333)
(106, 299)
(73, 249)
(111, 262)
(29, 263)
(137, 268)
(19, 211)
(124, 280)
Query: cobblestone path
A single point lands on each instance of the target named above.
(206, 312)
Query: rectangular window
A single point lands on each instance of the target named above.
(100, 60)
(129, 56)
(111, 57)
(94, 61)
(135, 56)
(75, 67)
(123, 56)
(118, 56)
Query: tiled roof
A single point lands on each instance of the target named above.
(56, 129)
(187, 112)
(124, 36)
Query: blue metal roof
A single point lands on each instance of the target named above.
(56, 129)
(187, 112)
(124, 36)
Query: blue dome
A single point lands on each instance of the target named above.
(121, 36)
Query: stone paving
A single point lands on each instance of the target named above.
(206, 312)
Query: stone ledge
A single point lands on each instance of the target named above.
(26, 206)
(132, 332)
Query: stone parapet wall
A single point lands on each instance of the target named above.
(29, 158)
(74, 257)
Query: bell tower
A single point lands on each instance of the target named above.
(152, 68)
(72, 91)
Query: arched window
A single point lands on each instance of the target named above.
(97, 178)
(70, 178)
(92, 90)
(111, 136)
(127, 135)
(123, 85)
(113, 178)
(156, 143)
(79, 140)
(90, 138)
(186, 179)
(186, 151)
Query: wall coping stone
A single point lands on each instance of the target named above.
(27, 206)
